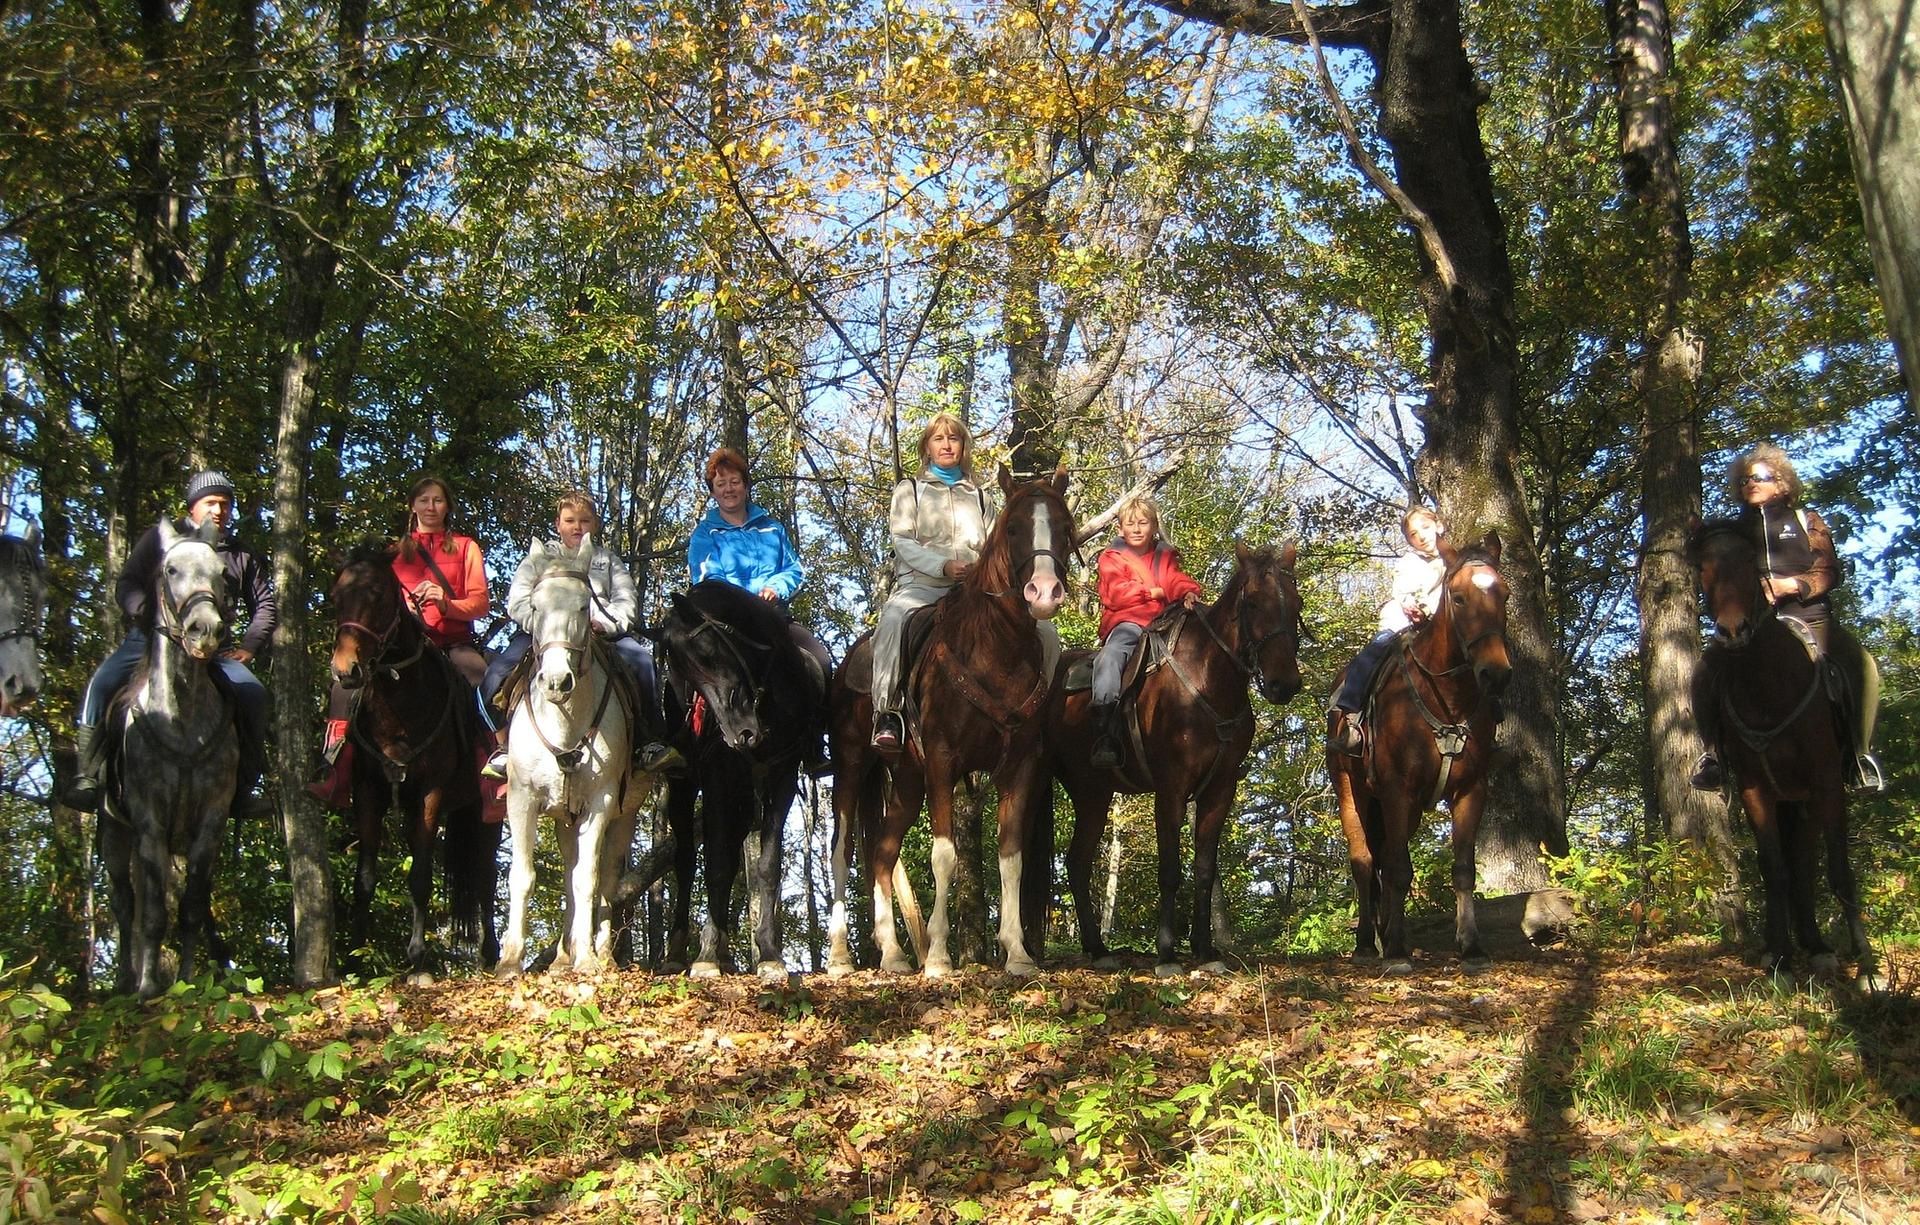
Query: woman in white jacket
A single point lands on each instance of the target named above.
(939, 520)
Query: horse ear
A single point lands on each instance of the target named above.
(585, 550)
(1060, 480)
(536, 547)
(681, 604)
(1694, 524)
(1491, 543)
(1006, 481)
(1289, 554)
(169, 534)
(207, 531)
(1240, 553)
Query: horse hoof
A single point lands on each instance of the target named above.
(899, 963)
(1824, 965)
(1022, 969)
(1212, 969)
(507, 971)
(704, 969)
(1477, 963)
(940, 969)
(1368, 956)
(773, 973)
(673, 968)
(1169, 969)
(1398, 967)
(839, 969)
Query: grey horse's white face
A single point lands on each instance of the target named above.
(562, 619)
(22, 582)
(192, 590)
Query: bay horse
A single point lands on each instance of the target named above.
(1190, 731)
(412, 739)
(570, 757)
(1430, 728)
(747, 700)
(171, 780)
(975, 695)
(23, 584)
(1779, 739)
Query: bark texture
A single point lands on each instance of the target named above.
(1875, 49)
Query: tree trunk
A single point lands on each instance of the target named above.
(1429, 104)
(1670, 467)
(1876, 65)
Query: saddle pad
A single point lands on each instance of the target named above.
(1076, 671)
(857, 671)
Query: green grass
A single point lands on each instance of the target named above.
(1625, 1069)
(1249, 1169)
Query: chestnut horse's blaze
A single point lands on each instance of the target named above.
(1780, 742)
(1431, 736)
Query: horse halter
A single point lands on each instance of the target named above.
(172, 619)
(1760, 609)
(729, 637)
(384, 640)
(1465, 644)
(576, 651)
(25, 557)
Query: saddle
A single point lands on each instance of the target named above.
(1149, 656)
(858, 671)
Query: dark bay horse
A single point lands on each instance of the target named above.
(1431, 725)
(1778, 737)
(171, 780)
(749, 700)
(23, 583)
(412, 737)
(976, 693)
(1195, 724)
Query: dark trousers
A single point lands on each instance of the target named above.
(241, 686)
(1353, 690)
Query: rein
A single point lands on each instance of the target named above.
(177, 614)
(573, 756)
(394, 767)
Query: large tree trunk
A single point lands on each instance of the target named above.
(304, 821)
(1875, 48)
(1670, 467)
(1429, 104)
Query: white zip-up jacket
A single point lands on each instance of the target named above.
(933, 523)
(616, 599)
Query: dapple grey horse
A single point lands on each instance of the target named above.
(23, 581)
(570, 756)
(165, 806)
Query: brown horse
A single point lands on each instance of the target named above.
(1430, 735)
(1779, 739)
(977, 691)
(1195, 724)
(412, 738)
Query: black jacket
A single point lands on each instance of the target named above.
(249, 584)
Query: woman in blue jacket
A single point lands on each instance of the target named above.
(738, 542)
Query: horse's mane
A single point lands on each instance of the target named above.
(369, 551)
(740, 608)
(14, 551)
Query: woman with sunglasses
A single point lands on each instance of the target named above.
(1799, 569)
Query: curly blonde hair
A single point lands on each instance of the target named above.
(1774, 458)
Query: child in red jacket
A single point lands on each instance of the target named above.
(1139, 578)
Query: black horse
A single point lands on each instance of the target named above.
(749, 706)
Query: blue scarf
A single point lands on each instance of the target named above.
(949, 476)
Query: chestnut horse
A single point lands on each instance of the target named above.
(976, 693)
(1779, 739)
(412, 739)
(1194, 724)
(1430, 729)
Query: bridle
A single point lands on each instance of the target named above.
(172, 618)
(571, 757)
(1026, 563)
(732, 641)
(385, 640)
(25, 557)
(576, 651)
(1464, 643)
(1759, 609)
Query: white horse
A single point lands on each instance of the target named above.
(570, 755)
(166, 812)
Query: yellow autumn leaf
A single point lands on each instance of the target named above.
(1427, 1167)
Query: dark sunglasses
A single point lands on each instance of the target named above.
(1756, 478)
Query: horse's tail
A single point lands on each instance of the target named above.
(909, 907)
(472, 870)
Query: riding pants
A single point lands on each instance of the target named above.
(889, 639)
(1110, 665)
(241, 686)
(1353, 690)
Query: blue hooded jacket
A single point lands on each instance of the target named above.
(754, 555)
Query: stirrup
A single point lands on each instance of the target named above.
(1867, 776)
(1348, 738)
(657, 757)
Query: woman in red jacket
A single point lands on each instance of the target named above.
(1139, 578)
(444, 578)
